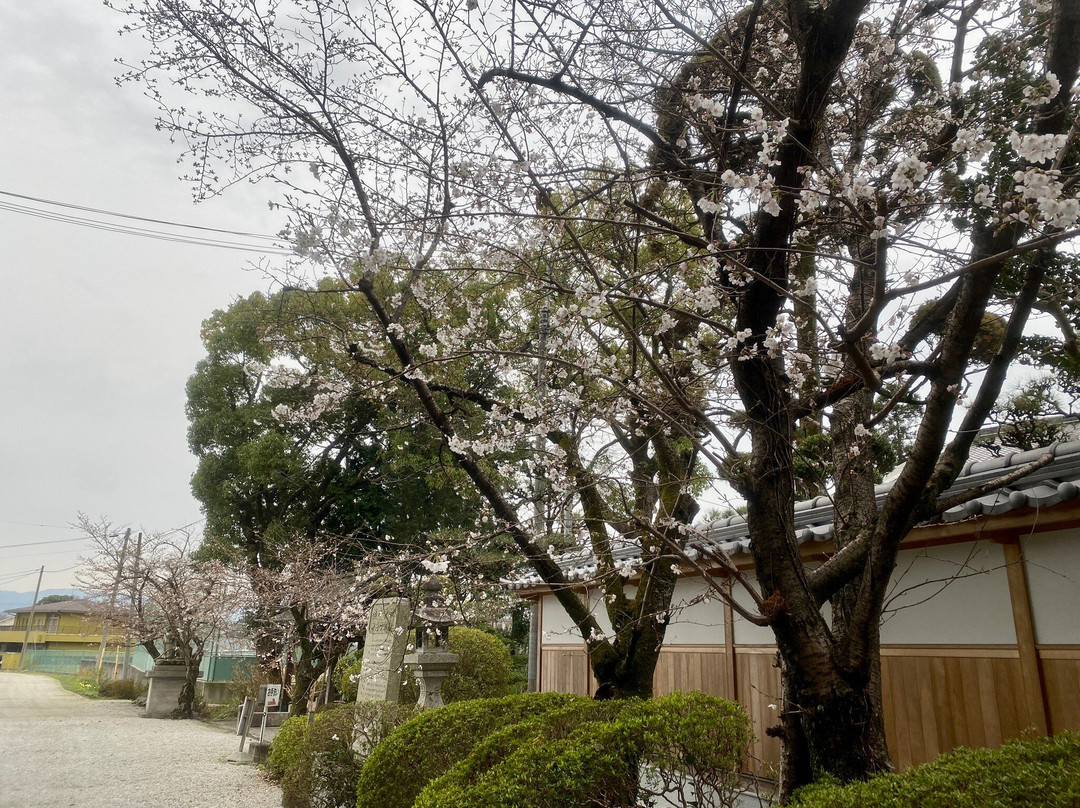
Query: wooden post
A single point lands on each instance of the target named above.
(729, 644)
(1034, 694)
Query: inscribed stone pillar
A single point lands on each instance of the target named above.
(384, 650)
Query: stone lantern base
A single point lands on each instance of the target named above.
(431, 667)
(166, 682)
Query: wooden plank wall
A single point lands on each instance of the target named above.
(760, 694)
(703, 665)
(564, 669)
(1061, 678)
(935, 697)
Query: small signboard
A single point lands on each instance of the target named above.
(273, 698)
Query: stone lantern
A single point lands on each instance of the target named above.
(432, 661)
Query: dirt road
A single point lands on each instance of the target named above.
(60, 750)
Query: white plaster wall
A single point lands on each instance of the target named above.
(695, 623)
(700, 623)
(556, 627)
(746, 633)
(955, 594)
(1053, 573)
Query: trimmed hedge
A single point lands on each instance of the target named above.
(324, 771)
(285, 749)
(428, 745)
(610, 755)
(1040, 773)
(453, 787)
(318, 764)
(484, 671)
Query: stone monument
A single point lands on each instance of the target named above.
(384, 650)
(432, 661)
(166, 680)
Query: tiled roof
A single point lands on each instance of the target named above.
(63, 607)
(1056, 482)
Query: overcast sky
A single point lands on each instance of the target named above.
(100, 330)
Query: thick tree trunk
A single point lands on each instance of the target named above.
(185, 702)
(625, 676)
(831, 725)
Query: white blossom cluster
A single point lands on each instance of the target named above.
(1045, 92)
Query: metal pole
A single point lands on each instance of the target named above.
(533, 680)
(30, 620)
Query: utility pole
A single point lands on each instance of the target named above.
(30, 620)
(135, 578)
(112, 603)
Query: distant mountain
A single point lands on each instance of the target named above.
(16, 600)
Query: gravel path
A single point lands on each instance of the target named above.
(59, 750)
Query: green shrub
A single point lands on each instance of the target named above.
(121, 689)
(375, 720)
(347, 675)
(286, 748)
(324, 772)
(317, 765)
(620, 754)
(689, 742)
(484, 671)
(428, 745)
(1041, 773)
(453, 787)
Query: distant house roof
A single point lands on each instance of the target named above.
(63, 607)
(1057, 482)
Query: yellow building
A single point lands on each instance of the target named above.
(62, 636)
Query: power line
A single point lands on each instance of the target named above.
(46, 541)
(137, 218)
(14, 576)
(135, 231)
(143, 232)
(38, 524)
(170, 531)
(68, 551)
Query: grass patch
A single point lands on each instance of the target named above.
(82, 685)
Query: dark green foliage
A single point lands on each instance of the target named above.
(690, 741)
(484, 671)
(456, 787)
(597, 755)
(347, 675)
(375, 720)
(285, 750)
(434, 741)
(120, 689)
(1042, 773)
(317, 765)
(323, 772)
(49, 599)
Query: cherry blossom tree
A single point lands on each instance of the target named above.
(650, 247)
(155, 590)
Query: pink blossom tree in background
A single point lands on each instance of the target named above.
(620, 254)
